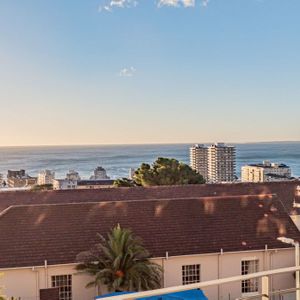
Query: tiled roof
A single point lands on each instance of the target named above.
(286, 191)
(31, 234)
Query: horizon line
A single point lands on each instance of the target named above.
(144, 144)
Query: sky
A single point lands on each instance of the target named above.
(149, 71)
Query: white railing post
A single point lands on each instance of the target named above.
(297, 254)
(265, 288)
(201, 285)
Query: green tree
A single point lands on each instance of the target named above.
(166, 171)
(124, 182)
(121, 263)
(42, 187)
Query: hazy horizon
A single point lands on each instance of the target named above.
(145, 144)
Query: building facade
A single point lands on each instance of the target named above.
(19, 179)
(99, 174)
(64, 184)
(199, 160)
(73, 175)
(26, 282)
(1, 180)
(45, 177)
(266, 172)
(221, 163)
(216, 163)
(95, 184)
(194, 240)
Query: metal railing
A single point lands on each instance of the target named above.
(272, 295)
(265, 292)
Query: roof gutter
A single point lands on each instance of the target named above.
(154, 258)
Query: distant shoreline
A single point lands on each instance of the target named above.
(147, 144)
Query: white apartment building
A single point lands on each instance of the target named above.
(1, 179)
(266, 172)
(221, 163)
(199, 159)
(216, 163)
(45, 177)
(64, 184)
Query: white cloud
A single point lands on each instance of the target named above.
(109, 5)
(205, 3)
(127, 72)
(176, 3)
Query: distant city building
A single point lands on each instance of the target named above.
(19, 179)
(20, 173)
(95, 184)
(199, 159)
(64, 184)
(131, 173)
(1, 180)
(45, 177)
(216, 163)
(265, 172)
(73, 175)
(99, 173)
(221, 163)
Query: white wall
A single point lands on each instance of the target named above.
(26, 283)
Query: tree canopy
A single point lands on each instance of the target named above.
(164, 171)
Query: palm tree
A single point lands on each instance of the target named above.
(121, 263)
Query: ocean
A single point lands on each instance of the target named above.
(118, 159)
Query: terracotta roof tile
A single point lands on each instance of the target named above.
(30, 234)
(286, 191)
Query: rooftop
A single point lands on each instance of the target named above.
(58, 232)
(285, 190)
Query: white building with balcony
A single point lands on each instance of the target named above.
(216, 163)
(45, 177)
(266, 172)
(64, 184)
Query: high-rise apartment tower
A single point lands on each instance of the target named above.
(216, 163)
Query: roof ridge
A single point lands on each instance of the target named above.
(225, 197)
(3, 212)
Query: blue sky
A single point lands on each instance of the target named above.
(149, 71)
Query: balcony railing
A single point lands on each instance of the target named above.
(265, 290)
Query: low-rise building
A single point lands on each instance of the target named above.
(265, 172)
(64, 184)
(95, 184)
(193, 239)
(45, 177)
(19, 179)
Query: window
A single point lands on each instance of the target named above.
(64, 283)
(248, 267)
(190, 274)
